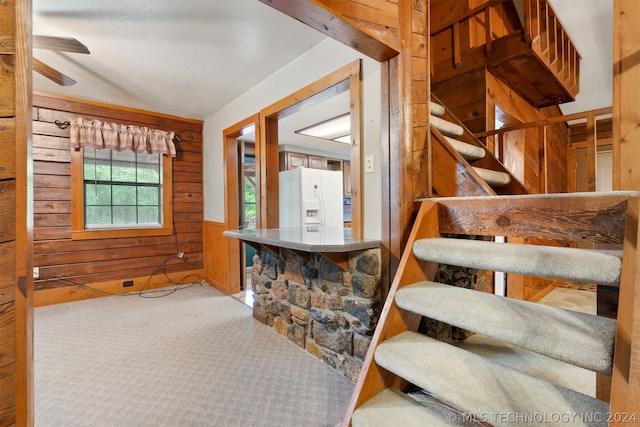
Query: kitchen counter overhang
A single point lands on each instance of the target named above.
(317, 239)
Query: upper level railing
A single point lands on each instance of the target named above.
(538, 58)
(550, 41)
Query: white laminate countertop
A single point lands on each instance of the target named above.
(308, 238)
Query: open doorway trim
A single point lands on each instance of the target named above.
(230, 137)
(348, 78)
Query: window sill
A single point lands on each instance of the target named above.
(117, 233)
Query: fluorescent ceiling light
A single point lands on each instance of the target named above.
(344, 139)
(337, 129)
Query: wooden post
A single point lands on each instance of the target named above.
(591, 151)
(625, 387)
(16, 216)
(457, 58)
(626, 85)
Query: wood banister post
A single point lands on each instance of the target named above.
(457, 58)
(591, 151)
(487, 31)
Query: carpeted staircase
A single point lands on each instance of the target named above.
(466, 386)
(469, 152)
(464, 166)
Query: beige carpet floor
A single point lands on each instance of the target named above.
(191, 358)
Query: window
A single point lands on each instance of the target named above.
(120, 194)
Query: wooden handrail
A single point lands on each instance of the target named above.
(549, 121)
(497, 146)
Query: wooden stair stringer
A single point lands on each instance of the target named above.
(443, 152)
(373, 379)
(453, 175)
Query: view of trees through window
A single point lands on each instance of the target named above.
(122, 189)
(249, 203)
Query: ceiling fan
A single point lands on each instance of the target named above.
(62, 44)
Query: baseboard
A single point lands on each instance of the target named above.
(114, 287)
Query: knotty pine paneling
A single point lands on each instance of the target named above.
(7, 210)
(8, 392)
(7, 85)
(499, 95)
(105, 260)
(7, 277)
(7, 340)
(7, 148)
(466, 97)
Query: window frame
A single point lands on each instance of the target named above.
(78, 230)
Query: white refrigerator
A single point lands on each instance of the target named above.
(311, 197)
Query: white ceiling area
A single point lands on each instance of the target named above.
(187, 58)
(190, 58)
(590, 25)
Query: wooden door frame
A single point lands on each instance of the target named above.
(230, 147)
(348, 78)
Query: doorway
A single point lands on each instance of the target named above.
(242, 193)
(346, 80)
(247, 209)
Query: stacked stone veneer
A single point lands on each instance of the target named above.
(329, 311)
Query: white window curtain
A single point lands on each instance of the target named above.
(97, 134)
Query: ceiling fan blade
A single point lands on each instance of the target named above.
(64, 44)
(52, 74)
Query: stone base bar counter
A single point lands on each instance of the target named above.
(319, 288)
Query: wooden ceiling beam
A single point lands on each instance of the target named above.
(335, 24)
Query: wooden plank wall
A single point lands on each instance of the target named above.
(500, 95)
(95, 261)
(466, 97)
(16, 286)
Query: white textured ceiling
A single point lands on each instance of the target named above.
(191, 57)
(187, 58)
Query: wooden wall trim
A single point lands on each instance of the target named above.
(94, 108)
(267, 154)
(227, 278)
(52, 296)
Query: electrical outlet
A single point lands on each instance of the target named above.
(127, 283)
(36, 272)
(368, 163)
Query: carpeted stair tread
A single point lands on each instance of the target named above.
(446, 127)
(581, 339)
(393, 408)
(436, 109)
(493, 178)
(466, 150)
(478, 386)
(577, 265)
